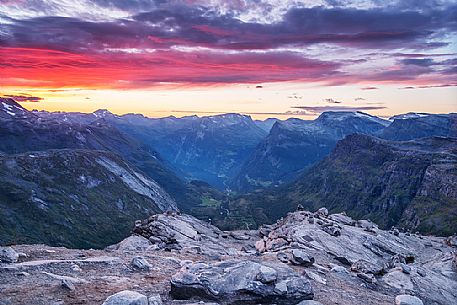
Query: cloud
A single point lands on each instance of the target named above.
(430, 86)
(332, 101)
(284, 113)
(295, 96)
(24, 98)
(320, 109)
(422, 62)
(370, 88)
(64, 69)
(197, 26)
(213, 42)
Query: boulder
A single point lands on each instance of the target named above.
(155, 300)
(451, 241)
(422, 272)
(367, 225)
(399, 280)
(405, 299)
(235, 282)
(405, 268)
(141, 263)
(332, 230)
(316, 277)
(275, 244)
(67, 284)
(300, 257)
(260, 246)
(132, 243)
(8, 255)
(322, 212)
(395, 231)
(267, 275)
(126, 297)
(339, 269)
(363, 266)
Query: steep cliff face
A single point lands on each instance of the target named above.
(58, 197)
(381, 180)
(434, 208)
(409, 184)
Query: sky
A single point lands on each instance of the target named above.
(266, 58)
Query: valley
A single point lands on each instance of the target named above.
(214, 152)
(229, 170)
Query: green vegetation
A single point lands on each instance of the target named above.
(369, 179)
(210, 202)
(65, 198)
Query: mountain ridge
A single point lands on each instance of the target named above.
(408, 184)
(58, 196)
(294, 144)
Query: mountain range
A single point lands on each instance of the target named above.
(410, 184)
(226, 169)
(294, 144)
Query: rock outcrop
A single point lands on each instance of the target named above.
(8, 255)
(405, 299)
(385, 259)
(172, 231)
(241, 282)
(127, 298)
(297, 261)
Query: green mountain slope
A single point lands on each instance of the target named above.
(73, 198)
(409, 184)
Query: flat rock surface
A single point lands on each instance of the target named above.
(337, 276)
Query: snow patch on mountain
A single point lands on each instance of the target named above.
(409, 115)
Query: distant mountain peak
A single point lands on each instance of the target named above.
(10, 107)
(227, 119)
(409, 115)
(344, 115)
(229, 116)
(102, 113)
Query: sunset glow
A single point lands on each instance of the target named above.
(163, 58)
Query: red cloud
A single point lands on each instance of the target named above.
(48, 68)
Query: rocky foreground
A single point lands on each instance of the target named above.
(305, 258)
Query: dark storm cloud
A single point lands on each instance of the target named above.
(423, 62)
(166, 41)
(196, 26)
